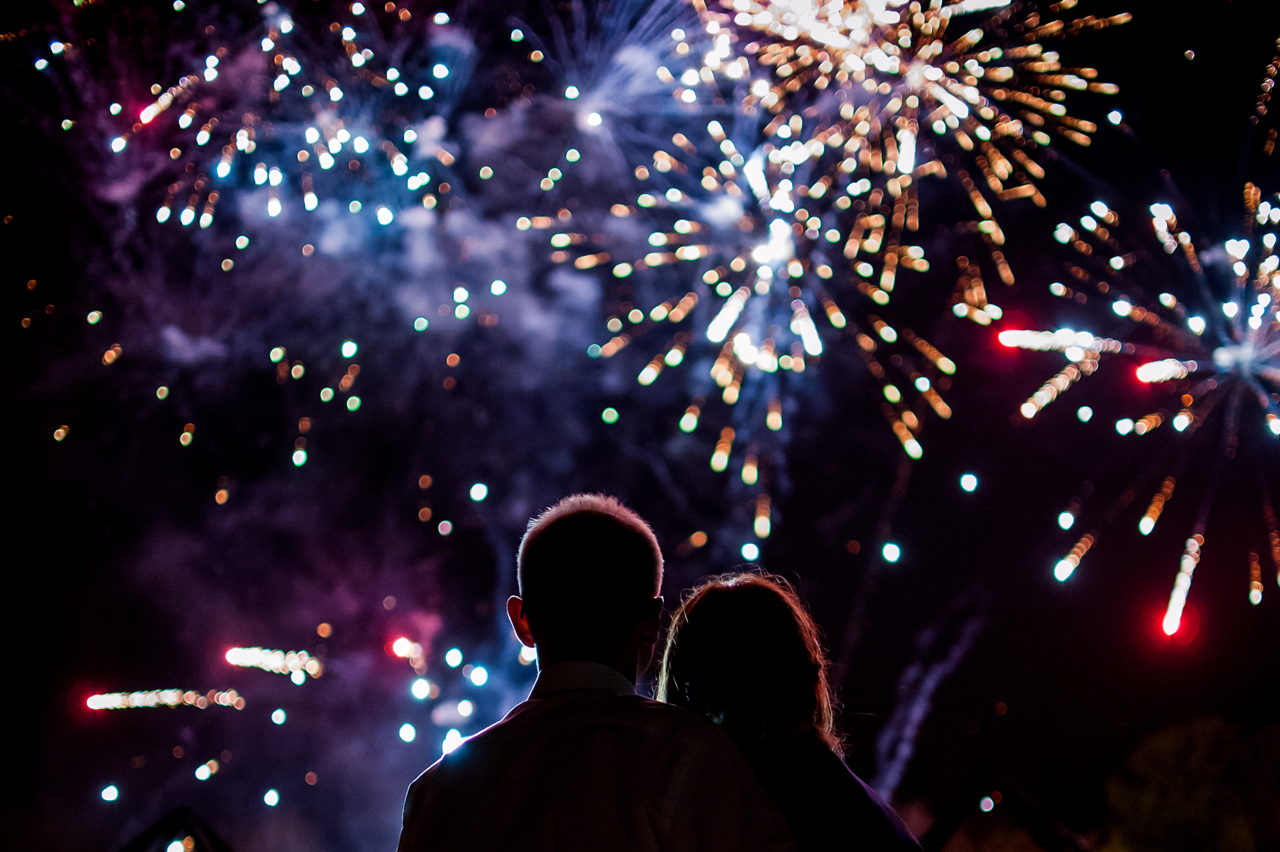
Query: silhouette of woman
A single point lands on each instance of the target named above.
(744, 651)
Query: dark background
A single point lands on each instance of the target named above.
(124, 574)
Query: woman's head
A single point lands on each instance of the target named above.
(743, 649)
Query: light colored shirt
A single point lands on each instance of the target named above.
(586, 764)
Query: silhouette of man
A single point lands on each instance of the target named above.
(585, 763)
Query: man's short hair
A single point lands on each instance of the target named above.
(586, 568)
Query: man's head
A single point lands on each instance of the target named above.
(590, 575)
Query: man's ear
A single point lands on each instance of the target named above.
(652, 624)
(520, 621)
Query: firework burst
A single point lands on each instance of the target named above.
(776, 193)
(853, 87)
(808, 167)
(292, 106)
(295, 137)
(1211, 364)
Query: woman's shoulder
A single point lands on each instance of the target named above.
(811, 755)
(833, 787)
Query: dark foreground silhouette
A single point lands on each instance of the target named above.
(585, 764)
(744, 651)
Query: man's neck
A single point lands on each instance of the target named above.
(578, 676)
(616, 662)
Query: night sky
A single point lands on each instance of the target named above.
(139, 556)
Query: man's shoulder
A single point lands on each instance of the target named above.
(629, 723)
(640, 767)
(661, 713)
(570, 737)
(667, 719)
(602, 710)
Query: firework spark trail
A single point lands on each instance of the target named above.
(1206, 365)
(165, 698)
(297, 664)
(1191, 550)
(917, 685)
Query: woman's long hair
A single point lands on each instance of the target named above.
(744, 650)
